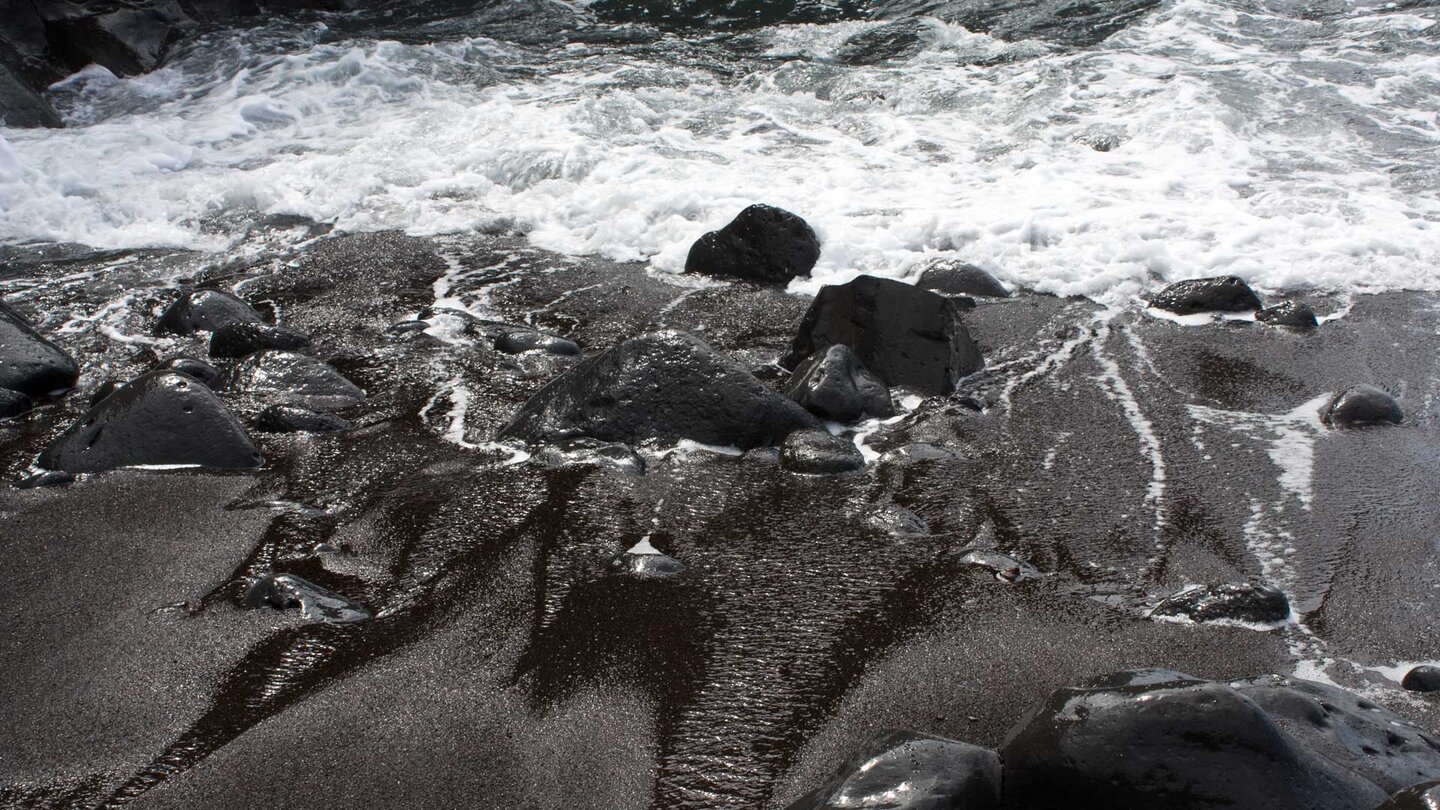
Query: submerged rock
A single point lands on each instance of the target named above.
(199, 369)
(162, 417)
(959, 278)
(205, 310)
(907, 770)
(294, 419)
(833, 384)
(1178, 745)
(897, 521)
(904, 335)
(1424, 796)
(516, 341)
(1361, 406)
(14, 403)
(1218, 294)
(29, 363)
(901, 39)
(1292, 314)
(289, 592)
(663, 386)
(1234, 601)
(21, 106)
(646, 561)
(762, 243)
(240, 339)
(286, 378)
(1422, 679)
(816, 452)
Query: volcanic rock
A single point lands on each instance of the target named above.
(286, 378)
(1292, 314)
(762, 243)
(904, 335)
(288, 592)
(1361, 406)
(162, 417)
(199, 369)
(585, 450)
(663, 386)
(105, 389)
(1422, 679)
(959, 278)
(644, 560)
(14, 403)
(294, 419)
(127, 41)
(1218, 294)
(29, 363)
(22, 107)
(241, 339)
(818, 453)
(525, 340)
(833, 384)
(906, 770)
(1242, 601)
(1424, 796)
(207, 310)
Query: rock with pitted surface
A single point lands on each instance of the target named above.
(294, 419)
(834, 384)
(1230, 601)
(816, 452)
(907, 770)
(1424, 796)
(240, 339)
(289, 592)
(1291, 314)
(29, 363)
(287, 378)
(14, 403)
(958, 278)
(1196, 295)
(904, 335)
(163, 417)
(1361, 406)
(199, 369)
(762, 243)
(205, 310)
(663, 386)
(1424, 678)
(1178, 745)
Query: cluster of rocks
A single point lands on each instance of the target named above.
(1158, 739)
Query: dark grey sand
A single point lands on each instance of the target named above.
(1121, 455)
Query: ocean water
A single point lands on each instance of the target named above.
(1292, 144)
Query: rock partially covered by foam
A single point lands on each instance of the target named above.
(163, 417)
(901, 39)
(1424, 796)
(816, 452)
(903, 334)
(21, 106)
(762, 243)
(1361, 406)
(241, 339)
(1230, 601)
(1173, 744)
(663, 386)
(205, 310)
(29, 363)
(907, 770)
(1218, 294)
(286, 378)
(1423, 678)
(127, 41)
(959, 278)
(834, 384)
(1290, 314)
(289, 592)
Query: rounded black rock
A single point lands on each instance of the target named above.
(1218, 294)
(205, 310)
(762, 243)
(29, 363)
(294, 419)
(1424, 796)
(908, 770)
(105, 389)
(14, 403)
(816, 452)
(1361, 406)
(529, 340)
(240, 339)
(833, 384)
(199, 369)
(1231, 601)
(1290, 314)
(959, 278)
(1423, 678)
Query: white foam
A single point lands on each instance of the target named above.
(643, 547)
(1113, 384)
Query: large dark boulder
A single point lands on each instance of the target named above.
(1423, 678)
(762, 243)
(127, 41)
(1168, 745)
(205, 310)
(29, 363)
(959, 278)
(1219, 294)
(244, 338)
(1424, 796)
(906, 770)
(816, 452)
(163, 417)
(904, 335)
(14, 403)
(21, 106)
(286, 378)
(663, 386)
(1229, 601)
(1361, 406)
(834, 384)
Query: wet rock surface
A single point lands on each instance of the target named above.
(1420, 797)
(13, 403)
(1219, 294)
(959, 278)
(816, 452)
(1239, 602)
(199, 369)
(241, 339)
(29, 363)
(762, 243)
(1361, 406)
(1292, 314)
(910, 771)
(294, 419)
(287, 378)
(289, 592)
(205, 310)
(833, 384)
(1423, 678)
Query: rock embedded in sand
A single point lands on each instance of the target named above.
(14, 403)
(663, 386)
(959, 278)
(1003, 566)
(235, 340)
(645, 561)
(907, 770)
(1424, 796)
(516, 341)
(762, 243)
(199, 369)
(287, 378)
(1230, 601)
(904, 335)
(1291, 314)
(288, 592)
(294, 419)
(834, 384)
(816, 452)
(1179, 745)
(29, 363)
(205, 310)
(1218, 294)
(162, 417)
(1423, 678)
(1361, 406)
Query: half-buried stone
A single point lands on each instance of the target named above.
(240, 339)
(294, 419)
(662, 386)
(199, 369)
(906, 770)
(289, 592)
(1232, 601)
(1424, 796)
(1218, 294)
(287, 378)
(162, 417)
(833, 384)
(29, 363)
(517, 341)
(14, 403)
(958, 278)
(762, 243)
(1289, 314)
(1361, 406)
(816, 452)
(205, 310)
(646, 561)
(904, 335)
(1423, 678)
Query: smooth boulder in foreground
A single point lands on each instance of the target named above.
(906, 770)
(1196, 295)
(1361, 406)
(287, 378)
(762, 243)
(904, 335)
(163, 417)
(834, 384)
(205, 310)
(29, 363)
(663, 386)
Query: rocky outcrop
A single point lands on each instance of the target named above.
(286, 378)
(1231, 601)
(959, 278)
(906, 770)
(126, 40)
(1218, 294)
(834, 384)
(762, 243)
(163, 417)
(22, 106)
(245, 338)
(205, 310)
(29, 363)
(663, 386)
(816, 452)
(904, 335)
(1361, 406)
